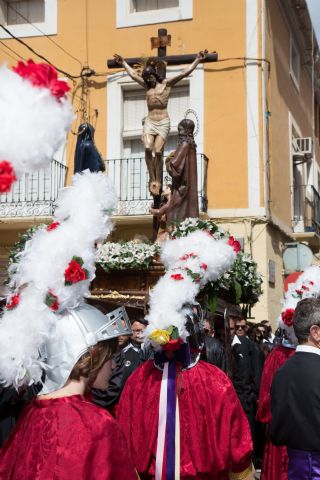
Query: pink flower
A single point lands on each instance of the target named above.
(304, 287)
(7, 176)
(311, 282)
(287, 316)
(235, 244)
(42, 75)
(299, 292)
(204, 266)
(177, 276)
(52, 226)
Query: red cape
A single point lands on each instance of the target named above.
(275, 459)
(66, 439)
(215, 435)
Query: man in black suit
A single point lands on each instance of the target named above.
(295, 396)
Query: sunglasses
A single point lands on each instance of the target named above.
(241, 327)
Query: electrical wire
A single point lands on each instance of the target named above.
(10, 5)
(72, 77)
(13, 51)
(8, 54)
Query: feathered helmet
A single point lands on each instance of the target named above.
(46, 325)
(307, 285)
(35, 118)
(190, 263)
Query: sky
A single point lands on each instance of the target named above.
(314, 9)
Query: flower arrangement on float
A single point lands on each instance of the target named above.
(241, 283)
(126, 255)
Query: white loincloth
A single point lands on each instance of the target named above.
(161, 127)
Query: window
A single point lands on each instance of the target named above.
(294, 63)
(29, 18)
(143, 12)
(24, 12)
(145, 5)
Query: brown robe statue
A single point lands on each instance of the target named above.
(182, 166)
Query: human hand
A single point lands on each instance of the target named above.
(202, 54)
(118, 59)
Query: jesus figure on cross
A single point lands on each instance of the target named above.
(156, 125)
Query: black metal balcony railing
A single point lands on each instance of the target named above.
(306, 209)
(35, 193)
(130, 178)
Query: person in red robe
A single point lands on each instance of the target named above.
(215, 438)
(275, 459)
(60, 435)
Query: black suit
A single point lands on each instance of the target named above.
(295, 403)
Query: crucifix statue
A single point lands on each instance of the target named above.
(156, 125)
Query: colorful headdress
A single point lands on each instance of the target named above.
(52, 274)
(307, 285)
(35, 118)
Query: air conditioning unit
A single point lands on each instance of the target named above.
(302, 149)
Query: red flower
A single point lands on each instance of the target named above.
(177, 276)
(311, 282)
(14, 301)
(52, 226)
(235, 244)
(42, 75)
(204, 266)
(299, 292)
(52, 301)
(7, 176)
(304, 287)
(173, 345)
(75, 273)
(287, 316)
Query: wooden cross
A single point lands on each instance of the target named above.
(161, 43)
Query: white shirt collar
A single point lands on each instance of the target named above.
(235, 341)
(308, 348)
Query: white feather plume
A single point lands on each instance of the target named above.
(306, 286)
(204, 258)
(34, 123)
(83, 213)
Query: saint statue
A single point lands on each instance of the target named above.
(156, 125)
(182, 166)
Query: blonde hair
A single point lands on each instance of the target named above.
(90, 362)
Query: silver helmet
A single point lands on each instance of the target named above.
(76, 331)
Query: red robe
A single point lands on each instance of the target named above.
(214, 432)
(66, 439)
(275, 459)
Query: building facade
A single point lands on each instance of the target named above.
(256, 110)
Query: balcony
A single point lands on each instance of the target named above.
(34, 195)
(306, 210)
(130, 177)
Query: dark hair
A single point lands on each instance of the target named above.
(151, 70)
(139, 319)
(90, 362)
(307, 313)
